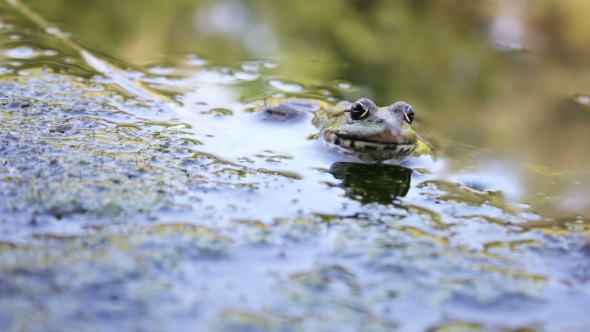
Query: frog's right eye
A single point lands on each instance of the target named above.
(360, 109)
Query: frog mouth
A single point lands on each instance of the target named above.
(399, 145)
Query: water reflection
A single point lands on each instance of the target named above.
(228, 219)
(372, 183)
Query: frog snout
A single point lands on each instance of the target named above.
(389, 134)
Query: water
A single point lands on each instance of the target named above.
(142, 190)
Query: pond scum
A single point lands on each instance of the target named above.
(115, 218)
(103, 222)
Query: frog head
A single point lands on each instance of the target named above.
(370, 132)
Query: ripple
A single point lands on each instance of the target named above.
(343, 85)
(161, 69)
(270, 64)
(285, 85)
(23, 52)
(247, 76)
(5, 26)
(218, 75)
(55, 31)
(49, 52)
(194, 60)
(581, 99)
(251, 66)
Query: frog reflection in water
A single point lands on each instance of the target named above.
(362, 129)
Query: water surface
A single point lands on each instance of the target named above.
(142, 190)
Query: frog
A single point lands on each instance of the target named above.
(359, 129)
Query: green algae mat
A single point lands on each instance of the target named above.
(159, 198)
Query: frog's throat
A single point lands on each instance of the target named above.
(402, 145)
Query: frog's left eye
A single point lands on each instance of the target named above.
(360, 109)
(404, 109)
(408, 114)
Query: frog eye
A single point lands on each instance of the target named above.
(402, 108)
(360, 109)
(408, 113)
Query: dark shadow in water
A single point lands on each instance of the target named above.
(368, 183)
(289, 110)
